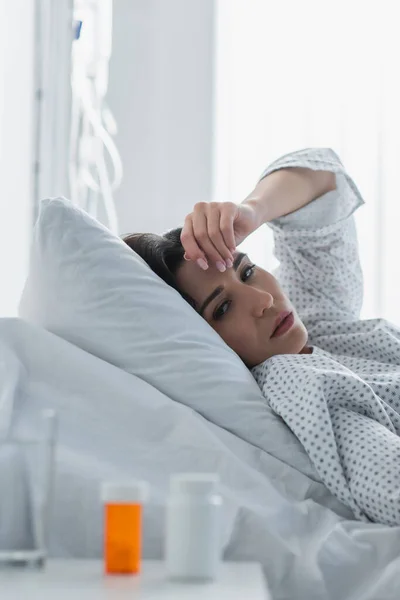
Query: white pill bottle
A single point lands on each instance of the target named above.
(193, 527)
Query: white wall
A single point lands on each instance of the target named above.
(16, 143)
(161, 92)
(347, 97)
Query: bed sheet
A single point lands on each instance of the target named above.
(113, 425)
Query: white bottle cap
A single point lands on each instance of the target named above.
(124, 492)
(194, 483)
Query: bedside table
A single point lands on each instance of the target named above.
(84, 580)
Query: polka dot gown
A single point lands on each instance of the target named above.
(343, 400)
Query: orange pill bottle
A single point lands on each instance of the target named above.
(123, 503)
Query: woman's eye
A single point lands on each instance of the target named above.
(221, 310)
(248, 272)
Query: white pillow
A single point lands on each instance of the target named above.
(88, 287)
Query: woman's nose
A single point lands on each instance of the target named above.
(261, 300)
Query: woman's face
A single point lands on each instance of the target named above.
(244, 305)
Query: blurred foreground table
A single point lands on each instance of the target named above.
(84, 580)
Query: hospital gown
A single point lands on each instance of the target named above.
(343, 400)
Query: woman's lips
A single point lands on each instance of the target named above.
(283, 323)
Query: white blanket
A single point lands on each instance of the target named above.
(112, 425)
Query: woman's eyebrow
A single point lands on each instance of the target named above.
(238, 260)
(210, 298)
(218, 290)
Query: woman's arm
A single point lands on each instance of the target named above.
(315, 242)
(213, 230)
(287, 190)
(316, 245)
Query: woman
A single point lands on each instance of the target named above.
(333, 378)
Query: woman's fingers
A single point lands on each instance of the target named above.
(192, 249)
(228, 213)
(200, 229)
(208, 235)
(214, 214)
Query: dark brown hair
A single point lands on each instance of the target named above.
(163, 253)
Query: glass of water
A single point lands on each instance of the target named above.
(26, 482)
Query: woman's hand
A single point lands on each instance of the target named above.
(213, 230)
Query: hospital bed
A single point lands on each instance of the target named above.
(114, 425)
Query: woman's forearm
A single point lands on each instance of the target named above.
(285, 191)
